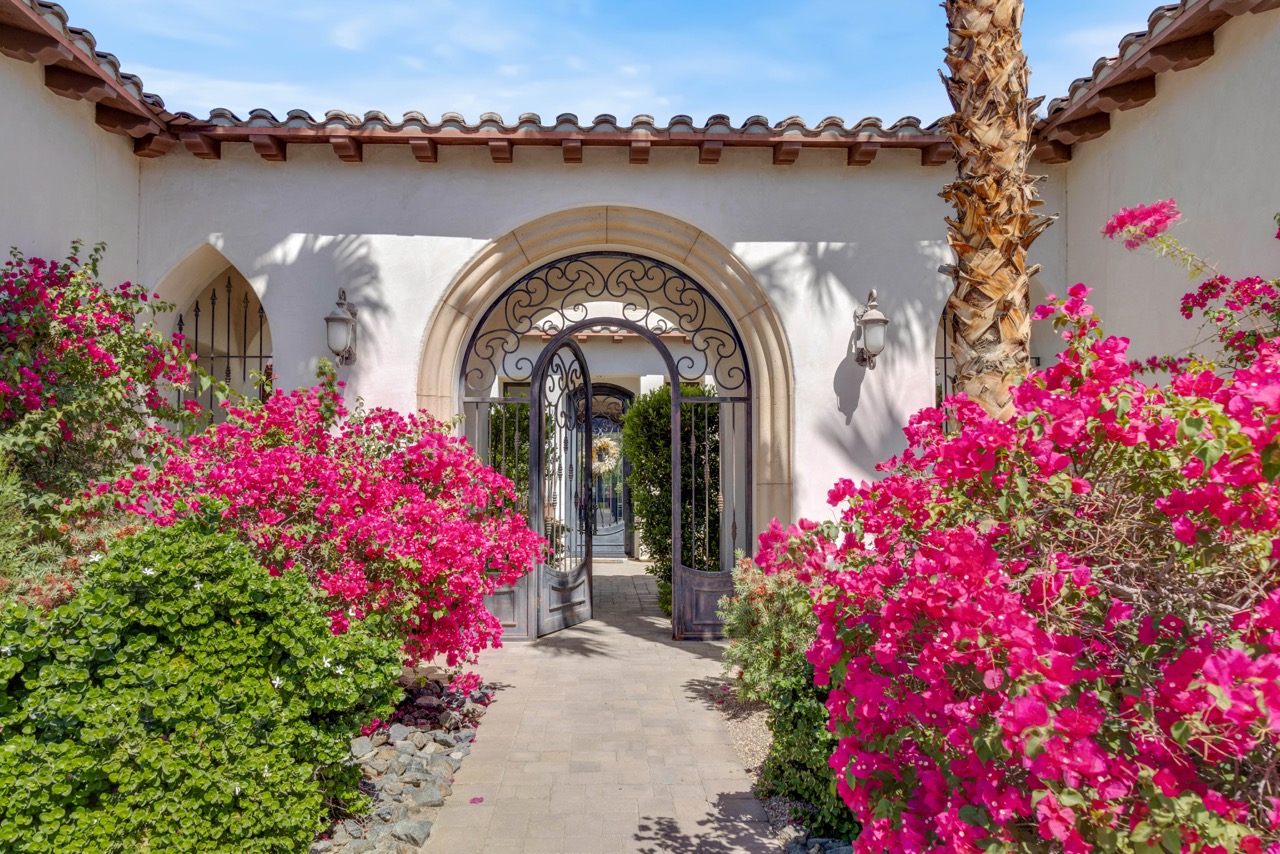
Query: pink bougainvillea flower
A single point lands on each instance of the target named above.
(1142, 223)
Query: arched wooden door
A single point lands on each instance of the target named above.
(560, 505)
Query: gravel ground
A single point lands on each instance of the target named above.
(750, 733)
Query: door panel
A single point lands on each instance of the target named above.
(560, 506)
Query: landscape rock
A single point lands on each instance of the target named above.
(792, 834)
(407, 769)
(413, 831)
(427, 796)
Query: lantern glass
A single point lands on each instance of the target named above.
(338, 326)
(873, 333)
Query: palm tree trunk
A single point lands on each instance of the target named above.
(988, 315)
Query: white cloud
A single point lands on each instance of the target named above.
(352, 34)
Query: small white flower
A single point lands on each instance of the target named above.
(275, 681)
(5, 650)
(148, 571)
(94, 558)
(237, 788)
(199, 585)
(327, 661)
(338, 670)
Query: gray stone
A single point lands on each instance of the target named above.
(792, 834)
(444, 739)
(411, 831)
(451, 719)
(360, 846)
(473, 711)
(395, 787)
(361, 746)
(390, 814)
(796, 848)
(466, 734)
(840, 849)
(398, 764)
(398, 732)
(431, 747)
(377, 766)
(321, 847)
(426, 795)
(419, 739)
(416, 769)
(379, 737)
(406, 747)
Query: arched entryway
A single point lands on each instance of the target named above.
(613, 520)
(526, 382)
(761, 413)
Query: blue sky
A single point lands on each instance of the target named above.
(812, 58)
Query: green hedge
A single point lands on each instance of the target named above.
(184, 701)
(646, 441)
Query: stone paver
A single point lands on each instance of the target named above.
(598, 742)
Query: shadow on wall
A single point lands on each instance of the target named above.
(831, 281)
(301, 278)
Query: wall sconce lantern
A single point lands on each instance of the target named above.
(340, 327)
(871, 331)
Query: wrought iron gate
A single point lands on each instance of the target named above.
(560, 471)
(504, 401)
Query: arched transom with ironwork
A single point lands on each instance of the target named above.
(605, 286)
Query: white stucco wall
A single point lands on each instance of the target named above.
(817, 236)
(62, 176)
(1208, 140)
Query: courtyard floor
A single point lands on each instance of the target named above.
(600, 740)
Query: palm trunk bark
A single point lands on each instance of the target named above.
(988, 313)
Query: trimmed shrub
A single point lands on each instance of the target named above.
(184, 701)
(646, 440)
(770, 623)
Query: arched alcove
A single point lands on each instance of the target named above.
(221, 320)
(661, 237)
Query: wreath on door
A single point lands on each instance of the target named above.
(606, 453)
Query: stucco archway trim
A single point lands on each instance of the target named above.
(665, 238)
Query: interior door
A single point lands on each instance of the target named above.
(561, 506)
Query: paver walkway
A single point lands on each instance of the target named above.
(599, 742)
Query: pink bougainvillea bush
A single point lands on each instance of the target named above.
(84, 378)
(386, 513)
(84, 374)
(1062, 632)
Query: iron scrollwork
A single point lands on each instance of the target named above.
(643, 291)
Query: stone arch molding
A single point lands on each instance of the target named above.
(664, 238)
